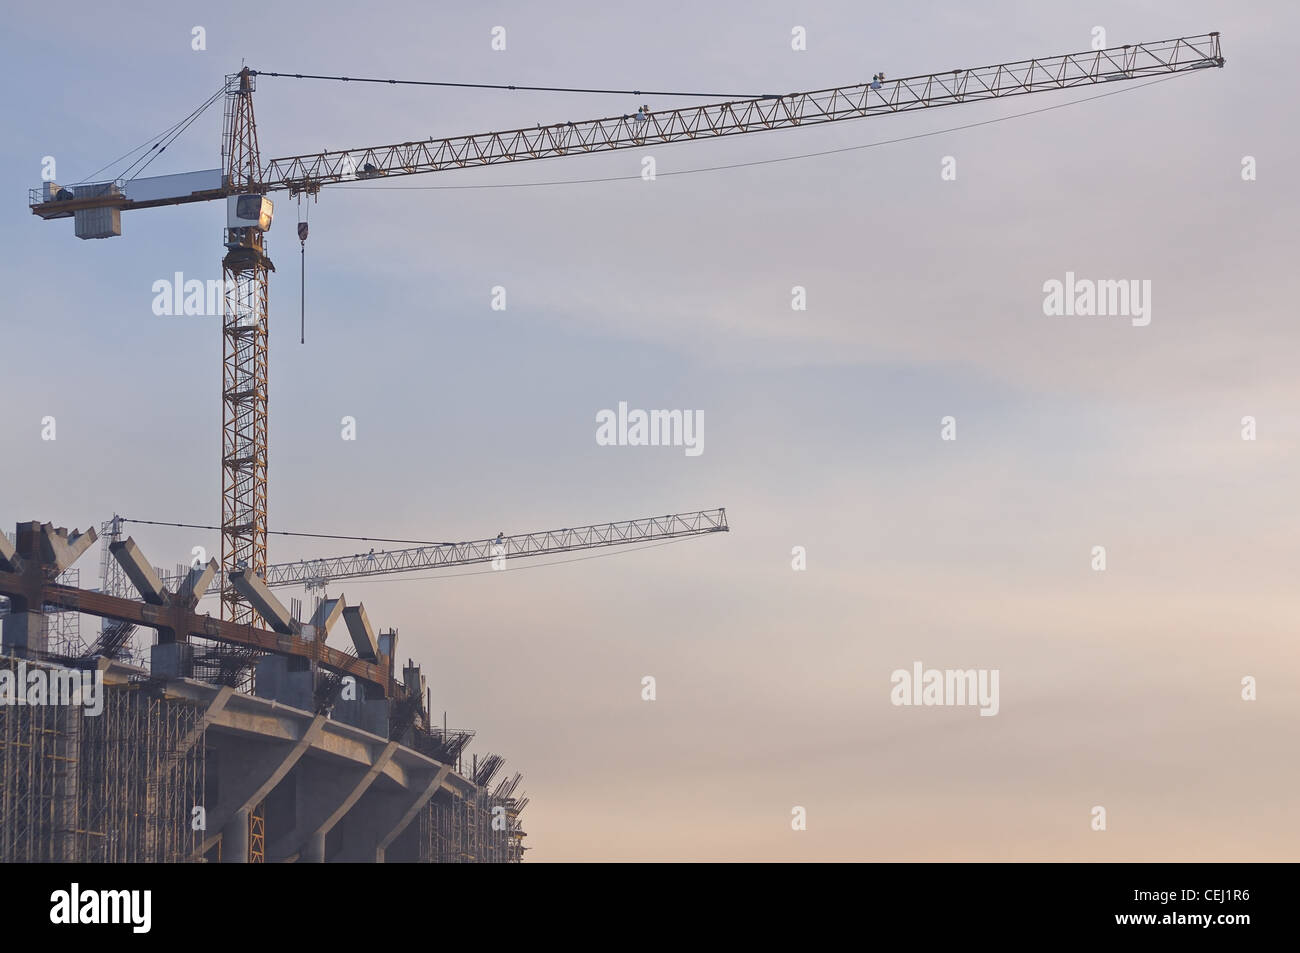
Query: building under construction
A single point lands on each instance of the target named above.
(226, 741)
(322, 756)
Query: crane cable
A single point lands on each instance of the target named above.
(185, 124)
(158, 139)
(362, 539)
(302, 295)
(515, 88)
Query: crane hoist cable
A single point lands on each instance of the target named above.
(302, 292)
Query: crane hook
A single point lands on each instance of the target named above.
(302, 296)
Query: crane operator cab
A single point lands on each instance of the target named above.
(249, 211)
(247, 218)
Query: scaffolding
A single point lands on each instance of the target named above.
(118, 787)
(115, 638)
(478, 828)
(125, 784)
(121, 786)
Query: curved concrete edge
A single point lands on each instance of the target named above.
(339, 766)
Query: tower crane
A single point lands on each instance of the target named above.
(244, 183)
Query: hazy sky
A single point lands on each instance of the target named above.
(1119, 688)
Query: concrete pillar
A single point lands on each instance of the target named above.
(368, 714)
(172, 660)
(313, 850)
(275, 680)
(26, 634)
(68, 787)
(234, 839)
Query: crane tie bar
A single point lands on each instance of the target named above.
(515, 88)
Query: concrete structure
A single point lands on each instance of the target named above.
(176, 769)
(330, 757)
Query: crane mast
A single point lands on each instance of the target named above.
(245, 345)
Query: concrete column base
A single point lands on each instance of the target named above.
(313, 851)
(172, 660)
(234, 839)
(26, 634)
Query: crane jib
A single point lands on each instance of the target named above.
(316, 573)
(309, 172)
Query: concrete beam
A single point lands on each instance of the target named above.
(404, 821)
(244, 787)
(380, 818)
(253, 588)
(138, 570)
(60, 550)
(175, 622)
(9, 561)
(196, 584)
(215, 707)
(363, 636)
(329, 612)
(325, 796)
(375, 769)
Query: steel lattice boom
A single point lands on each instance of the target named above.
(317, 573)
(307, 173)
(450, 555)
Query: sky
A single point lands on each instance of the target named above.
(1120, 688)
